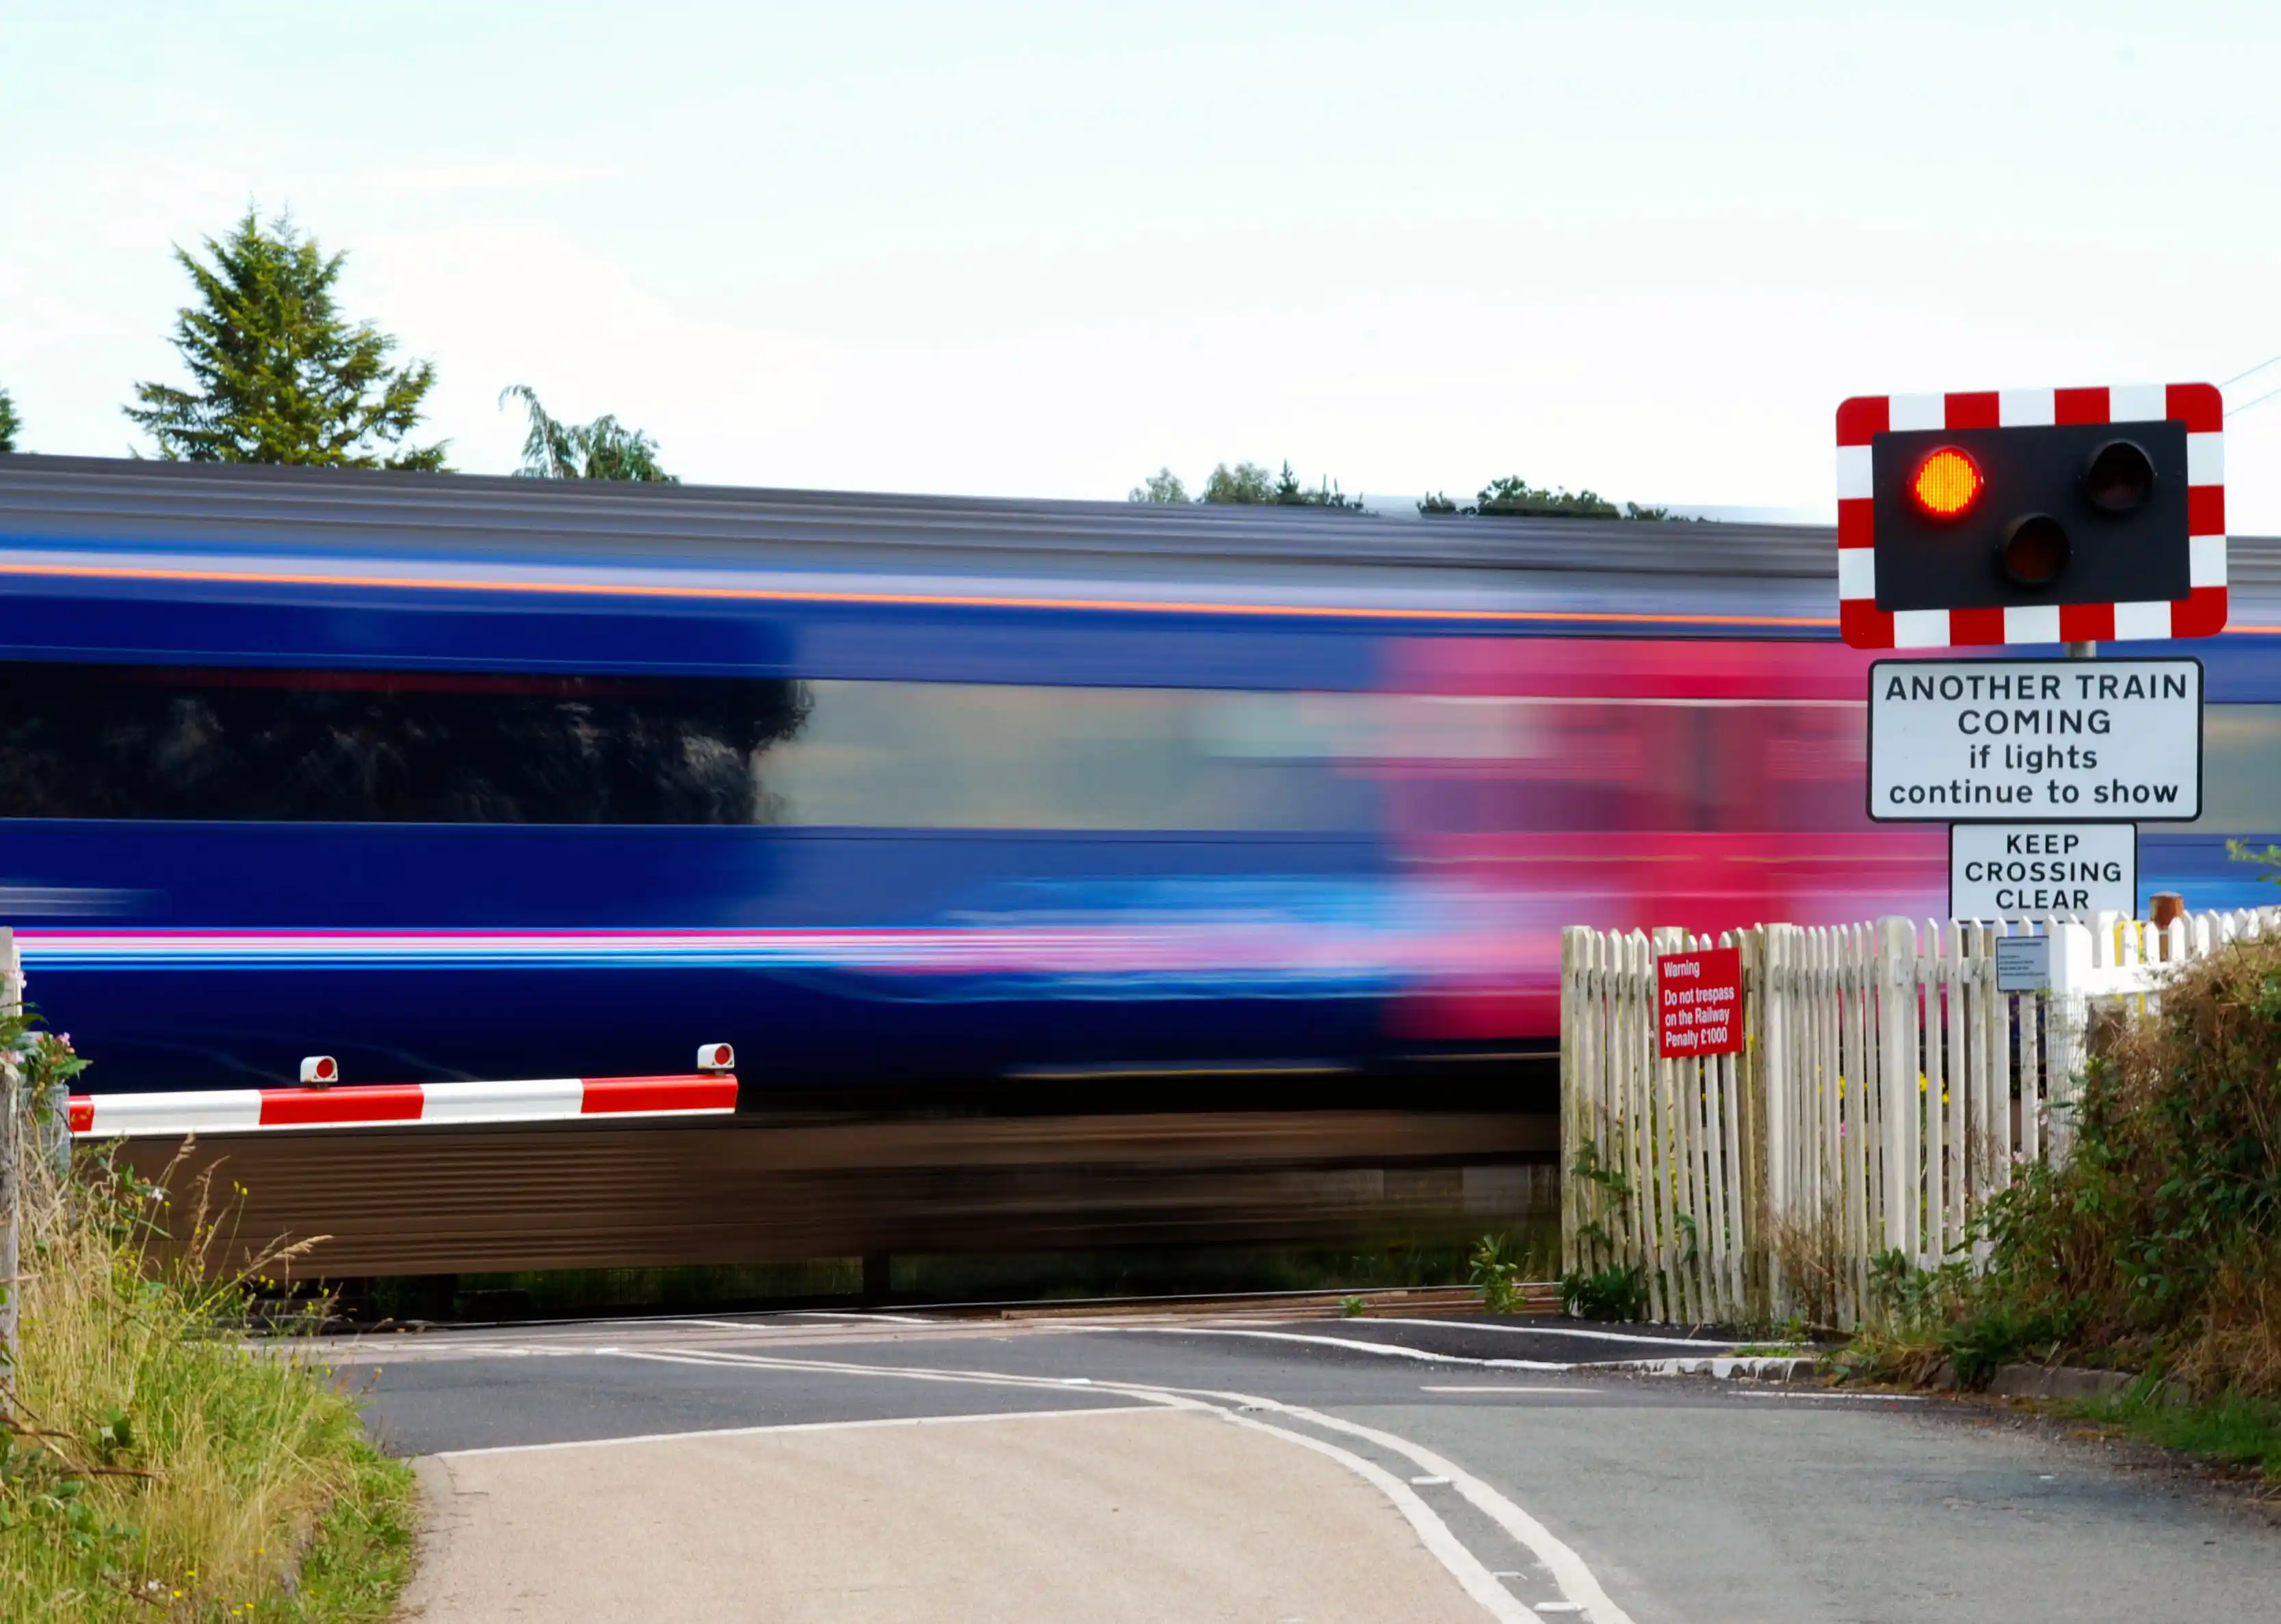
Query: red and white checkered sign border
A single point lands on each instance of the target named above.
(2200, 614)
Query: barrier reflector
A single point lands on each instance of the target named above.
(552, 1099)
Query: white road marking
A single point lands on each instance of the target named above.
(1572, 1577)
(1698, 1343)
(1471, 1572)
(1431, 1388)
(1384, 1350)
(1889, 1398)
(834, 1313)
(791, 1426)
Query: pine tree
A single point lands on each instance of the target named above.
(280, 375)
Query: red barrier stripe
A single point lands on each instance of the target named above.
(608, 1095)
(288, 1107)
(2081, 406)
(81, 1113)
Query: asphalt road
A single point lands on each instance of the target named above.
(846, 1467)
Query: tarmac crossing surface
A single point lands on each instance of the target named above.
(920, 1469)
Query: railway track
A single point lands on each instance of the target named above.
(429, 1201)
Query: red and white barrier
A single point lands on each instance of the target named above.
(551, 1099)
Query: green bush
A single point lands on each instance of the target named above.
(2157, 1245)
(1612, 1293)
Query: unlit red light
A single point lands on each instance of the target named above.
(1947, 484)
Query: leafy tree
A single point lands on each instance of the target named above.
(603, 449)
(1434, 502)
(9, 423)
(1246, 484)
(280, 375)
(1513, 495)
(1162, 486)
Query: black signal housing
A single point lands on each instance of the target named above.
(2068, 514)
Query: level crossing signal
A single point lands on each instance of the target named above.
(2038, 515)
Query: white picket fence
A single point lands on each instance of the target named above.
(1887, 1088)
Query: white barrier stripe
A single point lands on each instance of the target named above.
(223, 1111)
(537, 1099)
(2206, 459)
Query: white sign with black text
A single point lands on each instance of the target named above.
(2019, 871)
(2023, 963)
(2022, 740)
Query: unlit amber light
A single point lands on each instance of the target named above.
(1947, 482)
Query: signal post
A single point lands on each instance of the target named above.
(2041, 516)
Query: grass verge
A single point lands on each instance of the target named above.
(158, 1467)
(2235, 1431)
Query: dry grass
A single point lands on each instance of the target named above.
(1811, 1254)
(159, 1467)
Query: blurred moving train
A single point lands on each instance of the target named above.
(462, 776)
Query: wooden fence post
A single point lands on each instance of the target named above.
(11, 1160)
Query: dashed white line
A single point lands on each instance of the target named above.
(1700, 1343)
(1384, 1350)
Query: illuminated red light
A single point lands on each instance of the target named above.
(1947, 484)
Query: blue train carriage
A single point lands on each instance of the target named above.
(460, 777)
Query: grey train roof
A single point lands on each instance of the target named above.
(1644, 567)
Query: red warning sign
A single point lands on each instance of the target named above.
(1699, 1002)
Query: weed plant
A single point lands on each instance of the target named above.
(154, 1465)
(2156, 1247)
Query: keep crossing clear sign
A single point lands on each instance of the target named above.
(2013, 871)
(2022, 740)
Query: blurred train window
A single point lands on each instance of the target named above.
(146, 742)
(102, 741)
(1642, 765)
(960, 755)
(2241, 771)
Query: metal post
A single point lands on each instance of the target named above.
(2083, 651)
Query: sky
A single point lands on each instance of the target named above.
(1042, 250)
